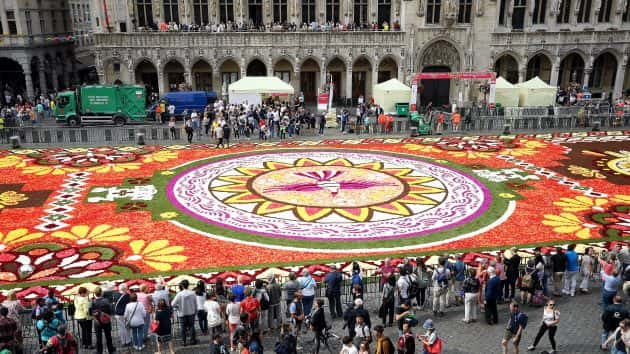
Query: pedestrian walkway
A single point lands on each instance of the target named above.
(578, 331)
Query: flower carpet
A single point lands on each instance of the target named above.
(75, 215)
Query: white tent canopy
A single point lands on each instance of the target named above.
(505, 93)
(252, 89)
(388, 93)
(536, 93)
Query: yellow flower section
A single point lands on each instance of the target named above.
(82, 234)
(17, 236)
(11, 198)
(567, 223)
(156, 254)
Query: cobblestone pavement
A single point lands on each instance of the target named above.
(578, 332)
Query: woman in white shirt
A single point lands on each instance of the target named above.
(233, 311)
(587, 269)
(307, 286)
(134, 319)
(213, 309)
(550, 320)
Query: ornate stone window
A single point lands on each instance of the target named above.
(464, 10)
(540, 12)
(384, 11)
(200, 9)
(279, 11)
(332, 10)
(171, 11)
(433, 11)
(565, 11)
(226, 11)
(361, 12)
(308, 11)
(502, 5)
(144, 9)
(584, 11)
(604, 11)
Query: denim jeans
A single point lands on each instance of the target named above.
(188, 325)
(202, 316)
(136, 336)
(607, 297)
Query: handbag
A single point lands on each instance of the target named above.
(435, 348)
(154, 326)
(128, 322)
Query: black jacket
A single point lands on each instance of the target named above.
(318, 321)
(612, 315)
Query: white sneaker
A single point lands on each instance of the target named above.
(531, 348)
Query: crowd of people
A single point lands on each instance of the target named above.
(237, 317)
(270, 120)
(231, 26)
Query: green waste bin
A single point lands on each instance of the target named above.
(402, 109)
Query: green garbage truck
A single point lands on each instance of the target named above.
(110, 104)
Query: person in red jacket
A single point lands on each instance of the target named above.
(251, 306)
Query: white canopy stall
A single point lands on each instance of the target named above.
(388, 93)
(506, 94)
(536, 93)
(254, 89)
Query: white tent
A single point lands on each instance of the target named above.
(505, 93)
(536, 93)
(253, 89)
(388, 93)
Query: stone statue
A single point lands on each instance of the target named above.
(597, 4)
(451, 9)
(555, 7)
(420, 8)
(480, 7)
(622, 5)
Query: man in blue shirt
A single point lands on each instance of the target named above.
(570, 274)
(493, 292)
(238, 289)
(516, 325)
(333, 292)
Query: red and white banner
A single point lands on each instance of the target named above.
(414, 95)
(322, 101)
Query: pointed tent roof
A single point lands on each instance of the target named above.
(535, 83)
(393, 85)
(503, 83)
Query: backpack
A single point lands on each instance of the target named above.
(471, 285)
(401, 343)
(249, 305)
(527, 281)
(264, 302)
(522, 318)
(414, 287)
(442, 279)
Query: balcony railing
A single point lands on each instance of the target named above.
(32, 40)
(248, 39)
(561, 38)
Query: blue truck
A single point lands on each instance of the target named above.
(184, 100)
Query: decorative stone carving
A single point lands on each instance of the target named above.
(441, 53)
(622, 5)
(450, 11)
(420, 8)
(554, 9)
(480, 7)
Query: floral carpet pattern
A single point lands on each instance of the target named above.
(89, 214)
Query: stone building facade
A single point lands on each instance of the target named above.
(580, 42)
(36, 55)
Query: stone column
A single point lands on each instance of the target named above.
(161, 82)
(620, 77)
(348, 83)
(400, 73)
(269, 66)
(188, 77)
(587, 76)
(28, 79)
(55, 77)
(322, 75)
(43, 88)
(522, 71)
(555, 72)
(374, 77)
(296, 82)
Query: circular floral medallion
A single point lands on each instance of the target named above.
(327, 196)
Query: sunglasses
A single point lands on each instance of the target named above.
(551, 305)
